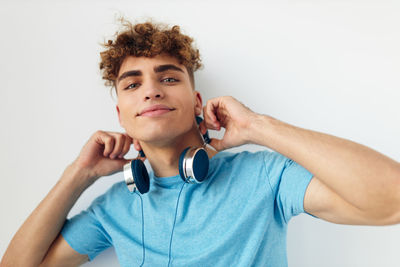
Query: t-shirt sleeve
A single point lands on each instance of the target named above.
(289, 182)
(84, 232)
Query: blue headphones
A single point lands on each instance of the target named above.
(193, 167)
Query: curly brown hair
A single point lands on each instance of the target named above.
(147, 39)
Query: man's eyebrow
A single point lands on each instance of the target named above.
(128, 74)
(162, 68)
(157, 69)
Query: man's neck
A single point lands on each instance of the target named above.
(165, 160)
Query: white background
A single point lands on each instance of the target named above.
(329, 66)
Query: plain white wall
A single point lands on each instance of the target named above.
(329, 66)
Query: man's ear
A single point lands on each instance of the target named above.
(119, 117)
(198, 103)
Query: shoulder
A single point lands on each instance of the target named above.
(263, 162)
(228, 156)
(255, 159)
(242, 164)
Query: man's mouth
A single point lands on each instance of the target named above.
(155, 110)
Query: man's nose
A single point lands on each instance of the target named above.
(153, 90)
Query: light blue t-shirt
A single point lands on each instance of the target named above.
(237, 217)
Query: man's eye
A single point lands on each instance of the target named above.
(132, 85)
(170, 80)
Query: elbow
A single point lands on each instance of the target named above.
(385, 210)
(394, 216)
(389, 208)
(395, 219)
(382, 219)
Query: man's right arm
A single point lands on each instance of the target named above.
(34, 238)
(38, 241)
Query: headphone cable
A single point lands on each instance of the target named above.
(141, 201)
(173, 226)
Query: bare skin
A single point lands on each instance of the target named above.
(365, 191)
(39, 236)
(42, 227)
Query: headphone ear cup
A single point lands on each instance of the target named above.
(193, 165)
(200, 165)
(181, 164)
(141, 176)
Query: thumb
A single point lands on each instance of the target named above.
(217, 144)
(137, 145)
(126, 160)
(120, 163)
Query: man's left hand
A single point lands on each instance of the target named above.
(229, 113)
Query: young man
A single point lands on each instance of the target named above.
(238, 216)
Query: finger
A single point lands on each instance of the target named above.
(210, 110)
(106, 140)
(202, 127)
(213, 107)
(119, 144)
(126, 147)
(209, 116)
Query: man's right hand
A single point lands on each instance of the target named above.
(104, 154)
(39, 237)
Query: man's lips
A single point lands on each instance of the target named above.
(155, 110)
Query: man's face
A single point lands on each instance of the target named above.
(145, 82)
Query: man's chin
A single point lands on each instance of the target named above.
(159, 142)
(157, 134)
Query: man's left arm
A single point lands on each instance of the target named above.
(350, 179)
